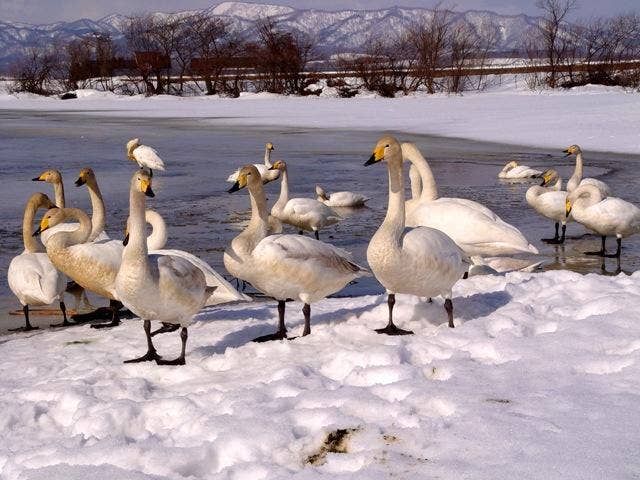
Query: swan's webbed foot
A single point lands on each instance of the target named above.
(391, 329)
(26, 328)
(150, 356)
(553, 241)
(113, 323)
(64, 323)
(165, 328)
(612, 255)
(176, 361)
(100, 313)
(599, 253)
(279, 335)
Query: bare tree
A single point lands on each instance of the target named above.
(37, 71)
(554, 41)
(150, 60)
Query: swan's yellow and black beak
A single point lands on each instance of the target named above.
(240, 183)
(44, 225)
(377, 156)
(125, 240)
(546, 178)
(38, 179)
(276, 165)
(145, 187)
(80, 181)
(567, 208)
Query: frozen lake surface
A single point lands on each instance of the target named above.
(202, 218)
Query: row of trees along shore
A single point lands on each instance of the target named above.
(198, 54)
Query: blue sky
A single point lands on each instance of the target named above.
(47, 11)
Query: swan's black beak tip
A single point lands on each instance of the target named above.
(37, 179)
(125, 240)
(79, 182)
(37, 232)
(149, 193)
(234, 188)
(371, 161)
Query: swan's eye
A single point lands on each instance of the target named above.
(386, 146)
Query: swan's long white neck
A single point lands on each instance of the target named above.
(98, 215)
(416, 182)
(58, 191)
(31, 245)
(429, 190)
(135, 254)
(576, 178)
(589, 195)
(393, 225)
(158, 238)
(284, 190)
(64, 239)
(258, 226)
(267, 157)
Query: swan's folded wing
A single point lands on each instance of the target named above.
(107, 253)
(180, 275)
(311, 209)
(148, 157)
(225, 291)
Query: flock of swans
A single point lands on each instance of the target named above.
(423, 247)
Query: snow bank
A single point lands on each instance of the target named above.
(539, 379)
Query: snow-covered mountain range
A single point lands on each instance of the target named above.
(335, 31)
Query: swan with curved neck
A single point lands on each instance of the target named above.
(303, 213)
(576, 179)
(475, 228)
(513, 170)
(285, 266)
(165, 288)
(31, 275)
(548, 199)
(605, 216)
(266, 172)
(419, 261)
(98, 215)
(340, 199)
(55, 178)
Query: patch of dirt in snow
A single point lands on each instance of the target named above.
(335, 442)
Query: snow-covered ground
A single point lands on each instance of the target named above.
(595, 117)
(540, 379)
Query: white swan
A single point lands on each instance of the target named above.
(285, 266)
(144, 156)
(266, 173)
(513, 170)
(605, 216)
(156, 242)
(419, 261)
(166, 288)
(475, 228)
(31, 275)
(303, 213)
(549, 201)
(576, 179)
(98, 213)
(54, 178)
(340, 199)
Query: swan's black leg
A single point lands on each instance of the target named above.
(115, 307)
(65, 322)
(618, 250)
(166, 327)
(564, 231)
(180, 360)
(448, 306)
(27, 324)
(317, 234)
(306, 311)
(282, 329)
(391, 329)
(556, 237)
(151, 351)
(600, 253)
(300, 232)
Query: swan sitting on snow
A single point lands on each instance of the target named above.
(266, 172)
(475, 228)
(576, 179)
(514, 171)
(605, 216)
(144, 156)
(419, 261)
(303, 213)
(340, 199)
(285, 266)
(549, 201)
(31, 275)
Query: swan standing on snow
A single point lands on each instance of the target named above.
(549, 201)
(576, 179)
(285, 266)
(514, 171)
(419, 261)
(340, 199)
(144, 156)
(31, 275)
(303, 213)
(266, 173)
(475, 228)
(605, 216)
(166, 288)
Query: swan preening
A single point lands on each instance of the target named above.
(513, 171)
(31, 275)
(285, 266)
(303, 213)
(144, 156)
(340, 199)
(474, 227)
(605, 216)
(266, 172)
